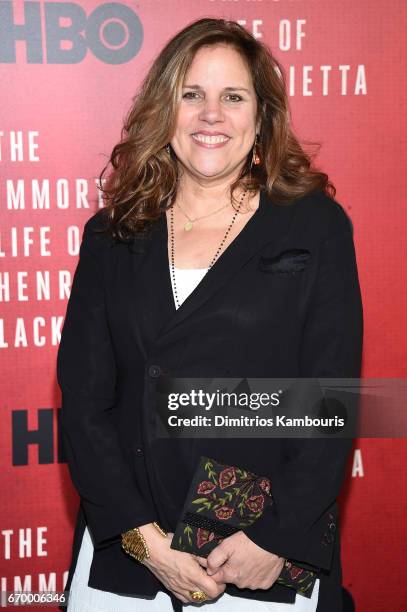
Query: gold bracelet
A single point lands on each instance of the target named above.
(157, 526)
(135, 545)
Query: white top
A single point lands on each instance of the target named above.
(186, 280)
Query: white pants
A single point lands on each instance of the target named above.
(86, 599)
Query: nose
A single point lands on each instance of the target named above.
(211, 111)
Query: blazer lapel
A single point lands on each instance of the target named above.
(156, 312)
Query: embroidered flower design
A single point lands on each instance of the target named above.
(227, 477)
(205, 487)
(255, 503)
(224, 513)
(203, 536)
(235, 497)
(295, 572)
(265, 485)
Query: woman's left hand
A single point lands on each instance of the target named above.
(238, 560)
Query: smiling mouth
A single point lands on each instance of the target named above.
(210, 140)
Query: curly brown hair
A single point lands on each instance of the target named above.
(144, 176)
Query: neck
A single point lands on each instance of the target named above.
(198, 199)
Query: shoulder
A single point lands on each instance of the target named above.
(321, 215)
(95, 236)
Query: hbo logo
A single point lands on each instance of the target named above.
(112, 32)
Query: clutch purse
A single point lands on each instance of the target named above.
(221, 500)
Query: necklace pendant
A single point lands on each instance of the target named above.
(188, 226)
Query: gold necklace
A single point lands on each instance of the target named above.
(215, 257)
(188, 226)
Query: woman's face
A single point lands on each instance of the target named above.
(216, 120)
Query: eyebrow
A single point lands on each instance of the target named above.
(224, 89)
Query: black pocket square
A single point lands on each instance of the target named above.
(290, 261)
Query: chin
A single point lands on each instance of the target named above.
(209, 169)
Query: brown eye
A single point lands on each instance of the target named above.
(239, 98)
(190, 93)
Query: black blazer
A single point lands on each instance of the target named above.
(260, 311)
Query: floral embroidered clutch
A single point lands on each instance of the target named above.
(222, 500)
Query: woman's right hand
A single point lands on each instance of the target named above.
(179, 572)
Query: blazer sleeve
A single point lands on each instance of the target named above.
(86, 373)
(301, 523)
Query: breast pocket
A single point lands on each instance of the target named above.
(276, 290)
(290, 261)
(285, 278)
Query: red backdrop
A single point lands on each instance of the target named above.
(68, 74)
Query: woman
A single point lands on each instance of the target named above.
(220, 252)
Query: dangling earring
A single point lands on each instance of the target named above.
(167, 148)
(255, 156)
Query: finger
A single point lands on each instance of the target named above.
(217, 583)
(210, 592)
(216, 558)
(208, 585)
(201, 560)
(184, 597)
(219, 577)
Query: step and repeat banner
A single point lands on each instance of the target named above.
(68, 72)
